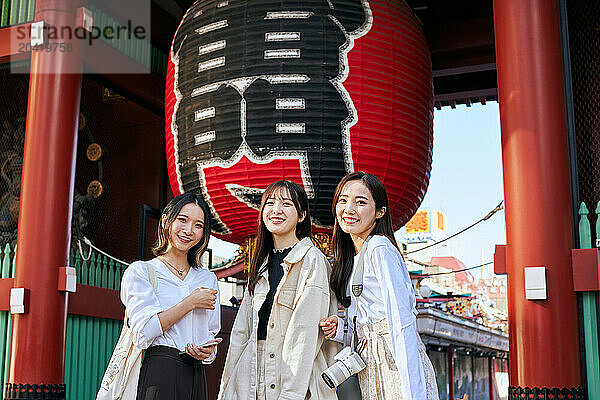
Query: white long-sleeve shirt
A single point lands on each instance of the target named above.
(388, 293)
(143, 305)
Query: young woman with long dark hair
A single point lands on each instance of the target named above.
(276, 349)
(397, 366)
(176, 321)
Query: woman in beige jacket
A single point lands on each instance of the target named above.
(276, 349)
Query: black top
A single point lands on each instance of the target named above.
(275, 274)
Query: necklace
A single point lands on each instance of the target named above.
(179, 271)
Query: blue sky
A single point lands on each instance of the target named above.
(465, 184)
(466, 178)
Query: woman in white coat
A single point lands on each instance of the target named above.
(397, 366)
(276, 349)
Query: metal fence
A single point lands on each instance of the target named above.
(89, 344)
(89, 340)
(583, 17)
(590, 301)
(14, 12)
(7, 256)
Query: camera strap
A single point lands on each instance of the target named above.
(357, 279)
(354, 335)
(357, 288)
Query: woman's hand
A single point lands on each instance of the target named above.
(203, 298)
(329, 326)
(200, 352)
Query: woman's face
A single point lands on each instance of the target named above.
(355, 209)
(280, 215)
(187, 229)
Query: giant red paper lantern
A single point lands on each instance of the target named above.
(300, 90)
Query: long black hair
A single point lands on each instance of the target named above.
(343, 247)
(171, 212)
(264, 238)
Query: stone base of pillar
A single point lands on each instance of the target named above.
(544, 393)
(18, 391)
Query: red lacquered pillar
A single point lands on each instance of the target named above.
(38, 336)
(544, 339)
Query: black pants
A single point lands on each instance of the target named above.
(166, 375)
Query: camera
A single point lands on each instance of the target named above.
(348, 362)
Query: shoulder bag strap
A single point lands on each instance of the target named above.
(152, 280)
(152, 276)
(357, 288)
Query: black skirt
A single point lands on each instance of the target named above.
(166, 375)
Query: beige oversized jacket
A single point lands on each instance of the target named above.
(295, 353)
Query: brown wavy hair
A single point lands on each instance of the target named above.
(171, 211)
(342, 245)
(264, 238)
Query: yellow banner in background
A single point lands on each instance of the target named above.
(419, 223)
(440, 221)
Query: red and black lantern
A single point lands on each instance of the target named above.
(299, 90)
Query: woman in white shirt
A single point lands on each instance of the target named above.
(276, 349)
(178, 321)
(397, 365)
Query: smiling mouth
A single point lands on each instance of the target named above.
(349, 221)
(276, 220)
(184, 239)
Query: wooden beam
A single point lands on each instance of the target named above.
(87, 300)
(96, 302)
(586, 269)
(467, 69)
(500, 259)
(145, 89)
(462, 43)
(460, 36)
(13, 46)
(458, 97)
(5, 285)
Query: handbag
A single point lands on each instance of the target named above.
(120, 380)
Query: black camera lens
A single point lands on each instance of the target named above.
(328, 380)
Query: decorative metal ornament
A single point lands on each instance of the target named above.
(94, 152)
(95, 189)
(306, 91)
(543, 393)
(323, 242)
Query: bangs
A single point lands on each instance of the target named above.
(286, 190)
(280, 193)
(279, 190)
